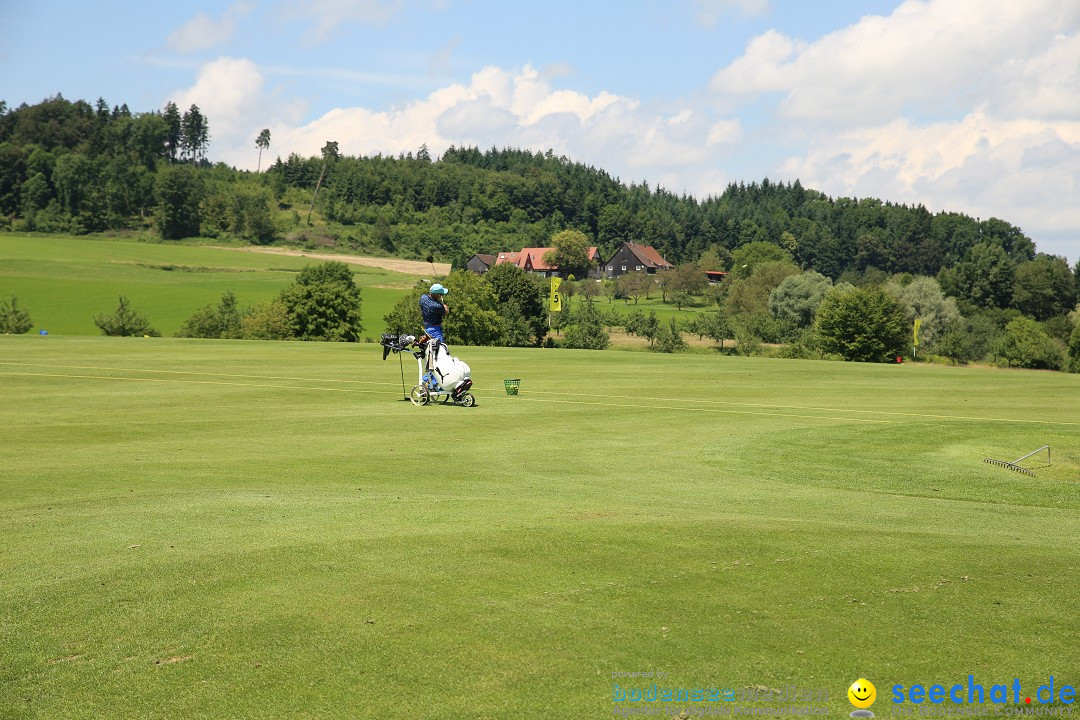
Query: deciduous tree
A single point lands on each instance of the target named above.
(749, 256)
(1027, 345)
(323, 303)
(751, 295)
(642, 325)
(570, 253)
(862, 324)
(985, 277)
(224, 320)
(1044, 287)
(717, 257)
(520, 298)
(179, 192)
(635, 285)
(796, 299)
(586, 330)
(686, 281)
(922, 298)
(473, 319)
(587, 289)
(669, 339)
(712, 325)
(267, 321)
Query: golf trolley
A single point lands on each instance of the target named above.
(440, 375)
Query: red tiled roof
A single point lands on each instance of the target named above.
(535, 257)
(507, 257)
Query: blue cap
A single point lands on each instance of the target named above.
(438, 289)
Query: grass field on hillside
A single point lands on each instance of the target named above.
(664, 312)
(64, 282)
(228, 529)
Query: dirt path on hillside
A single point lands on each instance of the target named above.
(409, 267)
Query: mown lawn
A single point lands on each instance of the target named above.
(64, 282)
(229, 529)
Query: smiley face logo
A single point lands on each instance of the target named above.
(862, 693)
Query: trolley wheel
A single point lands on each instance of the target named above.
(467, 400)
(420, 395)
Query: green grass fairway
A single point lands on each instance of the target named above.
(228, 529)
(64, 282)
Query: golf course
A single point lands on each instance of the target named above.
(66, 281)
(243, 529)
(473, 360)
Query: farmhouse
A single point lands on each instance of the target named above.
(480, 264)
(632, 257)
(532, 260)
(507, 257)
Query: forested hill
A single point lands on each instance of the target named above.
(471, 201)
(76, 167)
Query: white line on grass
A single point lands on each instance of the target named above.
(193, 372)
(826, 409)
(190, 382)
(381, 392)
(495, 394)
(707, 410)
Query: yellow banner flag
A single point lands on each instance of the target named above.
(555, 304)
(916, 334)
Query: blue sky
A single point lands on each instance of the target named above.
(964, 105)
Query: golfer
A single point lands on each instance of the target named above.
(433, 310)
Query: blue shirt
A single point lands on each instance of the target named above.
(431, 310)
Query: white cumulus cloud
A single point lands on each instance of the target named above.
(231, 93)
(203, 33)
(498, 107)
(963, 105)
(933, 57)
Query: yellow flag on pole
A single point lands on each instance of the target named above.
(916, 334)
(555, 303)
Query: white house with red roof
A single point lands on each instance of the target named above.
(532, 260)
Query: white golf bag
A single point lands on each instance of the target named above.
(447, 371)
(441, 375)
